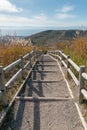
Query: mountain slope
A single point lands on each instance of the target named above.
(51, 37)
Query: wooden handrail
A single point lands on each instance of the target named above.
(31, 60)
(80, 70)
(30, 56)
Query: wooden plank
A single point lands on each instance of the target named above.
(73, 77)
(45, 71)
(26, 64)
(65, 65)
(45, 81)
(26, 56)
(76, 67)
(65, 56)
(9, 67)
(46, 65)
(84, 75)
(56, 56)
(32, 58)
(13, 78)
(43, 98)
(84, 92)
(46, 60)
(59, 57)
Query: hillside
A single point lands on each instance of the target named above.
(51, 37)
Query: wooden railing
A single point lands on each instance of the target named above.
(25, 61)
(81, 76)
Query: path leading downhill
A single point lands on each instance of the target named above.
(45, 103)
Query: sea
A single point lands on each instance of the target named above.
(27, 31)
(19, 32)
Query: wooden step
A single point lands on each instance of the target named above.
(46, 61)
(45, 81)
(45, 71)
(46, 65)
(44, 98)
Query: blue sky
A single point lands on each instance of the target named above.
(42, 14)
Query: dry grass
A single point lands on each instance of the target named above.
(77, 49)
(10, 53)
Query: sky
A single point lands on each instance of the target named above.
(31, 16)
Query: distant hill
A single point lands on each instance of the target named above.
(51, 37)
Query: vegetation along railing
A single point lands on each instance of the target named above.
(77, 73)
(26, 61)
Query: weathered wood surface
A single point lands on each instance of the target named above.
(82, 75)
(48, 114)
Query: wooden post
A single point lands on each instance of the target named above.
(2, 87)
(58, 53)
(34, 55)
(55, 53)
(34, 73)
(61, 57)
(68, 65)
(22, 66)
(29, 58)
(81, 83)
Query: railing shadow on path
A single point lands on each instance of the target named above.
(17, 122)
(39, 91)
(33, 88)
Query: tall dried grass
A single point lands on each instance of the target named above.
(10, 53)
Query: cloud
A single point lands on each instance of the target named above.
(64, 16)
(66, 9)
(65, 12)
(35, 21)
(41, 17)
(7, 6)
(38, 21)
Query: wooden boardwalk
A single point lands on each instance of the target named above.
(45, 102)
